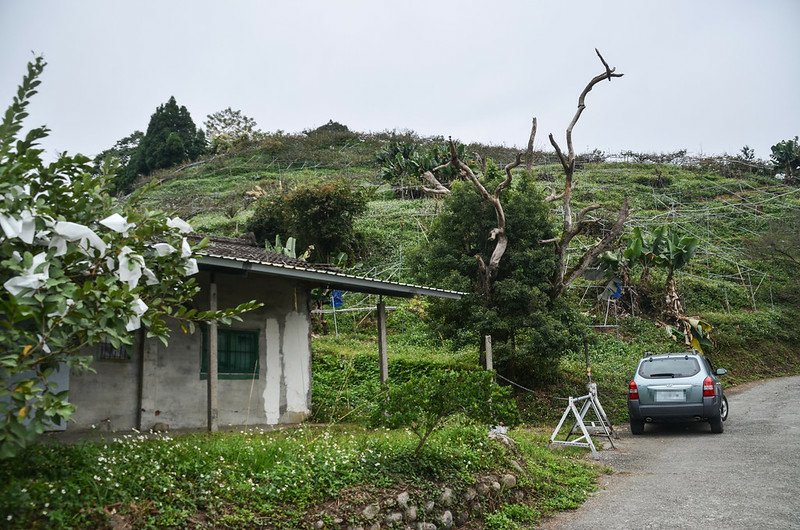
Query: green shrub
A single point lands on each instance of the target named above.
(422, 404)
(319, 215)
(512, 517)
(269, 219)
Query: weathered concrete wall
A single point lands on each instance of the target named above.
(105, 399)
(173, 391)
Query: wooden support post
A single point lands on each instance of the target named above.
(487, 352)
(213, 410)
(383, 358)
(140, 376)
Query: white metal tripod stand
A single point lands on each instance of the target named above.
(599, 426)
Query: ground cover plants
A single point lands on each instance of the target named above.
(282, 479)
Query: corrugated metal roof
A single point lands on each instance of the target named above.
(242, 254)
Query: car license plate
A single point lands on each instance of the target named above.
(670, 395)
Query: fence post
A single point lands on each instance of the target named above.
(383, 358)
(487, 353)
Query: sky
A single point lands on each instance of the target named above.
(706, 76)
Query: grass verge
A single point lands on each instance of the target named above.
(284, 479)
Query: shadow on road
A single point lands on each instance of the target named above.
(671, 429)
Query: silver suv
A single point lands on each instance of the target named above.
(676, 387)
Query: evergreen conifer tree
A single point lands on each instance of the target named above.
(171, 138)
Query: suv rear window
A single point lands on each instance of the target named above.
(669, 367)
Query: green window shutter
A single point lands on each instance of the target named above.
(237, 354)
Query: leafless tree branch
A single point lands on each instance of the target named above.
(507, 181)
(609, 70)
(581, 217)
(575, 224)
(553, 196)
(438, 188)
(529, 151)
(590, 255)
(488, 272)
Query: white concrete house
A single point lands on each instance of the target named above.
(263, 363)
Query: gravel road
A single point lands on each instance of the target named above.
(682, 476)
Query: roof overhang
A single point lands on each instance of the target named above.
(337, 280)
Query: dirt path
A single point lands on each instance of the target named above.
(678, 476)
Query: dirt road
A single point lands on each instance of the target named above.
(678, 476)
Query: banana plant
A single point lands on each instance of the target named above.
(694, 332)
(666, 249)
(289, 249)
(675, 253)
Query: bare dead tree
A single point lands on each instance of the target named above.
(487, 271)
(529, 151)
(577, 224)
(437, 187)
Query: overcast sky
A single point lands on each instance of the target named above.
(707, 76)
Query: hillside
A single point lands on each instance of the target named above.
(746, 295)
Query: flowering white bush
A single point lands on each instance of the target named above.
(75, 268)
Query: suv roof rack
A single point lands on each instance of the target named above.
(651, 354)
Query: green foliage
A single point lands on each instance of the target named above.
(319, 215)
(278, 479)
(779, 243)
(677, 250)
(289, 249)
(269, 220)
(424, 403)
(227, 128)
(529, 331)
(403, 162)
(512, 517)
(332, 133)
(76, 268)
(346, 376)
(171, 138)
(124, 151)
(786, 159)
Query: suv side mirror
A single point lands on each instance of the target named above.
(721, 371)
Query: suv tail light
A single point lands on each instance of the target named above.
(633, 390)
(709, 390)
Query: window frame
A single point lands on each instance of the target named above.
(106, 352)
(255, 334)
(664, 360)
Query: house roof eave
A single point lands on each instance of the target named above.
(338, 280)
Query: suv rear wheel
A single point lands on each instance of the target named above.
(716, 424)
(637, 427)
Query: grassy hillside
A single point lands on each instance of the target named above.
(746, 296)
